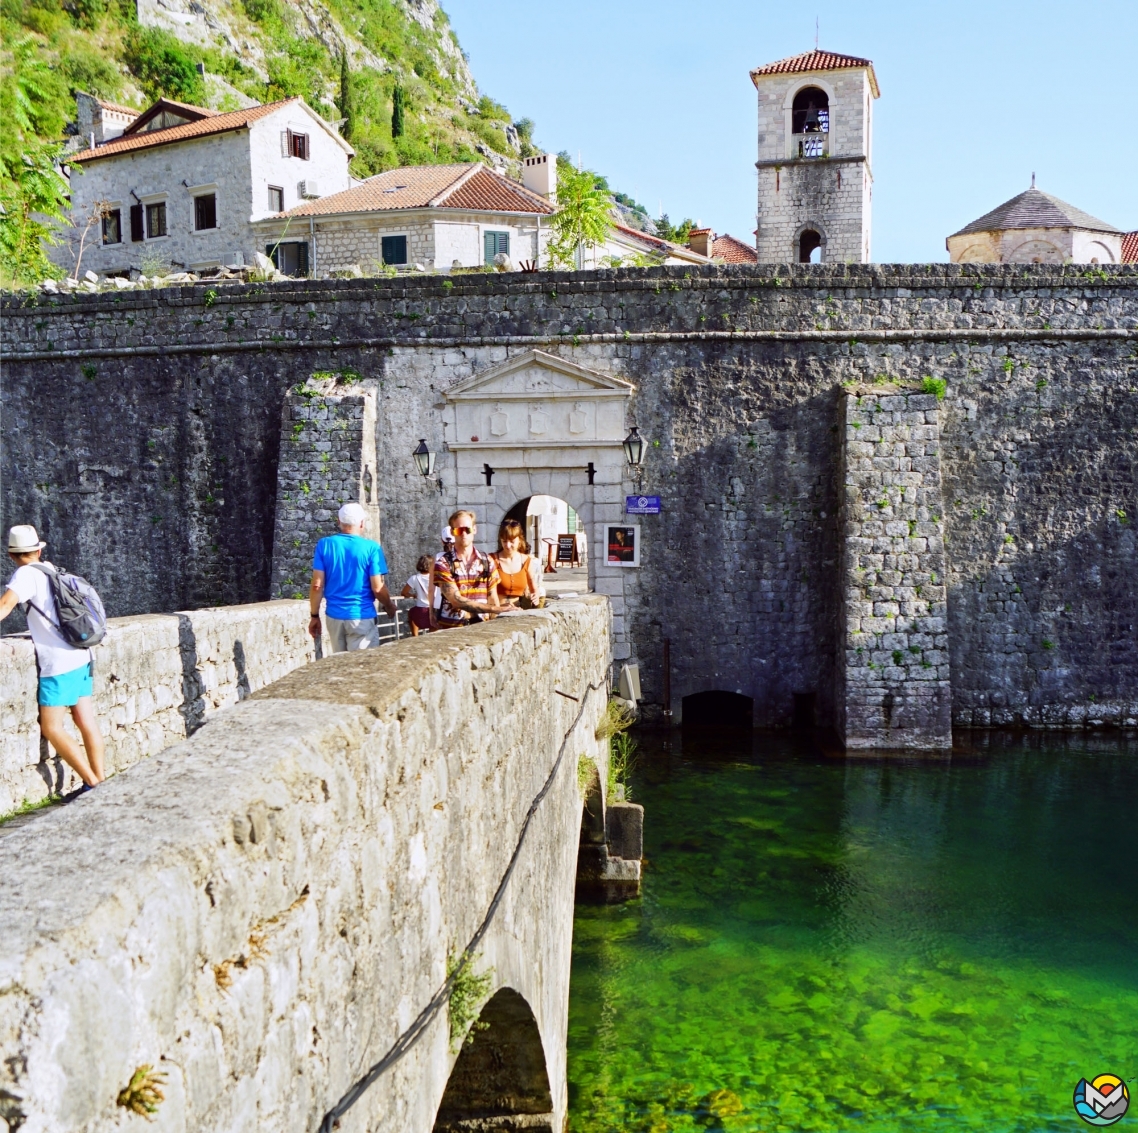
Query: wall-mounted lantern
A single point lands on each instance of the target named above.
(634, 452)
(424, 459)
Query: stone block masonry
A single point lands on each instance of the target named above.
(263, 909)
(327, 458)
(158, 678)
(894, 681)
(165, 492)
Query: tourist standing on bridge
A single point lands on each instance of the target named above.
(65, 672)
(467, 578)
(347, 572)
(519, 573)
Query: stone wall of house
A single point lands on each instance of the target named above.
(738, 375)
(158, 678)
(267, 907)
(893, 669)
(327, 459)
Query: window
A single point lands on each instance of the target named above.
(112, 227)
(292, 258)
(136, 232)
(156, 220)
(205, 212)
(294, 145)
(495, 243)
(809, 247)
(811, 113)
(276, 199)
(394, 249)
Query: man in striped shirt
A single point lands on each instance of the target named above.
(467, 578)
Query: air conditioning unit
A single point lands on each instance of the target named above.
(307, 190)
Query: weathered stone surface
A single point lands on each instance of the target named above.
(894, 688)
(737, 375)
(260, 911)
(157, 679)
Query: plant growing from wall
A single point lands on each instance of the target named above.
(143, 1093)
(937, 386)
(467, 991)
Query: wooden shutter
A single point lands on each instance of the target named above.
(136, 232)
(286, 143)
(302, 259)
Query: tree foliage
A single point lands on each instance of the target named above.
(583, 218)
(397, 108)
(676, 233)
(345, 96)
(163, 65)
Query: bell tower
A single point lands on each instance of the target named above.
(815, 146)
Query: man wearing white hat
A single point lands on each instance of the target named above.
(347, 573)
(64, 671)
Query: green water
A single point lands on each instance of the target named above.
(828, 944)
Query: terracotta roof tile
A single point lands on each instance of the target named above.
(115, 108)
(1034, 208)
(657, 245)
(214, 124)
(732, 251)
(817, 61)
(1130, 247)
(471, 187)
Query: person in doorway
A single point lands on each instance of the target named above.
(418, 586)
(467, 578)
(65, 673)
(519, 575)
(434, 594)
(347, 573)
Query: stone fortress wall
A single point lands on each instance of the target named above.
(267, 907)
(164, 491)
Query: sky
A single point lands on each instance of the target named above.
(975, 97)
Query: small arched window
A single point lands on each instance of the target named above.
(809, 247)
(811, 113)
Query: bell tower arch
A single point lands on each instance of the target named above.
(814, 158)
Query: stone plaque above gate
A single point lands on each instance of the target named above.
(557, 405)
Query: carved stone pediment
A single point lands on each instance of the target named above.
(561, 405)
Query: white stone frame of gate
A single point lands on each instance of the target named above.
(555, 463)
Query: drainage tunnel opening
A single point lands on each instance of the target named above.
(717, 709)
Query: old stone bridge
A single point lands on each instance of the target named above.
(266, 915)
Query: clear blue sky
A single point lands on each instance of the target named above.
(974, 97)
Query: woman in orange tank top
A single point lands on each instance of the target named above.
(518, 573)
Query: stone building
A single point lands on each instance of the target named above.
(184, 186)
(722, 249)
(1036, 228)
(815, 171)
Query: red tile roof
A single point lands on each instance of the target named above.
(115, 108)
(732, 251)
(215, 124)
(818, 61)
(472, 187)
(1130, 247)
(658, 245)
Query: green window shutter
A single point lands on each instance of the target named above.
(488, 247)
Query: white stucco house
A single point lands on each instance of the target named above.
(1036, 228)
(187, 186)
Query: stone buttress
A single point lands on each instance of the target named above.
(327, 458)
(893, 682)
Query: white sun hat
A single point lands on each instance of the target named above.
(447, 535)
(23, 538)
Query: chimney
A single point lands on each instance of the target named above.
(701, 241)
(539, 174)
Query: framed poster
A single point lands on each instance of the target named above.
(622, 544)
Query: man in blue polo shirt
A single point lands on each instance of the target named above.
(347, 572)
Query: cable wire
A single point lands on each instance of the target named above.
(415, 1031)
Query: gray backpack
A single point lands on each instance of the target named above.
(82, 621)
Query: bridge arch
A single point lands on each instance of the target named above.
(501, 1072)
(719, 709)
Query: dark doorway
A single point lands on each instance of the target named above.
(810, 247)
(728, 711)
(803, 718)
(500, 1073)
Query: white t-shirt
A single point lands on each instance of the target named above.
(418, 584)
(55, 656)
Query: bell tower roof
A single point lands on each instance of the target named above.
(817, 61)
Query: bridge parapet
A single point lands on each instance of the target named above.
(263, 912)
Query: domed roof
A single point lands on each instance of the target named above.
(1035, 209)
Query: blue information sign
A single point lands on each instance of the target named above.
(641, 505)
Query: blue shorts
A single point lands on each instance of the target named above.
(64, 690)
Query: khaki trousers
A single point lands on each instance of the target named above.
(352, 633)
